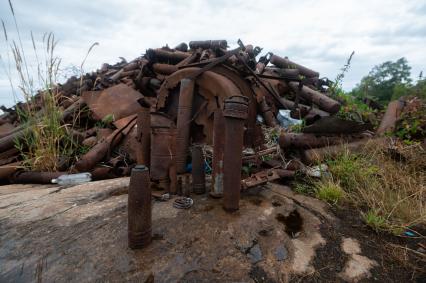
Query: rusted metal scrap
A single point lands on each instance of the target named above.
(235, 112)
(119, 101)
(184, 113)
(391, 116)
(151, 110)
(139, 208)
(198, 170)
(301, 140)
(218, 148)
(163, 153)
(264, 177)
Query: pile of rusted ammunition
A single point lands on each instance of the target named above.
(200, 108)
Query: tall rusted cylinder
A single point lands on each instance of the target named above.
(144, 136)
(198, 172)
(163, 157)
(218, 146)
(184, 123)
(139, 208)
(285, 63)
(323, 101)
(235, 112)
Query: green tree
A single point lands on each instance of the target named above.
(419, 89)
(385, 82)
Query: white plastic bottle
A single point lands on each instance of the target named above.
(73, 179)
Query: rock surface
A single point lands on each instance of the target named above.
(48, 233)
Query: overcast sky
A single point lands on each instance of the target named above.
(318, 34)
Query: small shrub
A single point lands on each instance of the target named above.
(329, 191)
(374, 220)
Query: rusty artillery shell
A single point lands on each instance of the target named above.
(391, 116)
(144, 136)
(32, 177)
(181, 47)
(102, 173)
(184, 123)
(164, 69)
(6, 171)
(166, 56)
(208, 44)
(323, 101)
(285, 63)
(301, 140)
(9, 141)
(235, 112)
(267, 113)
(198, 173)
(139, 208)
(218, 146)
(317, 155)
(98, 152)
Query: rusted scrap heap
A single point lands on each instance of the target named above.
(173, 109)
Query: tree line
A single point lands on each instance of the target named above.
(389, 81)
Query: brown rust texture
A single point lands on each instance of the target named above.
(139, 208)
(235, 112)
(184, 113)
(198, 171)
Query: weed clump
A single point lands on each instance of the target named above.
(389, 193)
(329, 191)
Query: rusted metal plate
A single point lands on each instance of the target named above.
(125, 122)
(119, 101)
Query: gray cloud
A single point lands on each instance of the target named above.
(319, 34)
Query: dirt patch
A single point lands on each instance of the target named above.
(392, 264)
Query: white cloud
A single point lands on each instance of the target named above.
(319, 34)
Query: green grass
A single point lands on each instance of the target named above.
(47, 141)
(373, 219)
(329, 191)
(389, 194)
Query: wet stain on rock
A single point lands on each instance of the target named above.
(255, 254)
(293, 223)
(281, 253)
